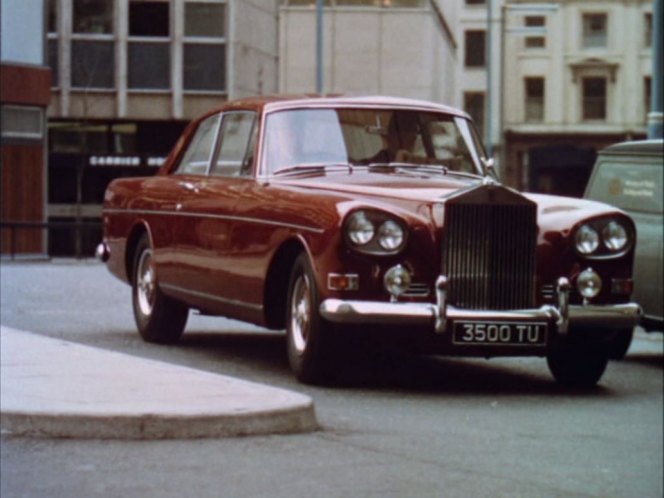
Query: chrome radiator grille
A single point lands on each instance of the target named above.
(489, 255)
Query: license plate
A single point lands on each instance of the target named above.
(499, 333)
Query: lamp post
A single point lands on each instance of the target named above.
(655, 114)
(319, 46)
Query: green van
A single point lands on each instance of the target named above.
(629, 175)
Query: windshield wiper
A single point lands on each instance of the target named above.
(312, 168)
(434, 168)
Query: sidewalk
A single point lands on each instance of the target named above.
(55, 388)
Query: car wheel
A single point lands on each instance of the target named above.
(159, 318)
(578, 365)
(620, 344)
(308, 334)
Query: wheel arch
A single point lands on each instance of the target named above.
(275, 292)
(133, 239)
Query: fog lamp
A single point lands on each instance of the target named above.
(589, 283)
(397, 280)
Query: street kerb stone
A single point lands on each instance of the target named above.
(55, 388)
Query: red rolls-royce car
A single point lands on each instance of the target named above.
(335, 216)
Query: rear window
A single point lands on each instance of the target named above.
(628, 185)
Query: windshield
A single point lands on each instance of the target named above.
(369, 136)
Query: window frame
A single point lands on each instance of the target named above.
(587, 34)
(242, 172)
(215, 139)
(584, 99)
(190, 40)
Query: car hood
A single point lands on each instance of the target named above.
(416, 187)
(434, 189)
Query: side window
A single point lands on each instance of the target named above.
(235, 152)
(199, 153)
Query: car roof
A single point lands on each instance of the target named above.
(636, 147)
(283, 102)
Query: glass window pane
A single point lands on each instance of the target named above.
(594, 30)
(52, 25)
(92, 64)
(93, 16)
(204, 67)
(534, 99)
(475, 49)
(236, 131)
(205, 19)
(22, 122)
(594, 98)
(149, 65)
(53, 63)
(199, 152)
(149, 19)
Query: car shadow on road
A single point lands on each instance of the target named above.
(654, 360)
(261, 357)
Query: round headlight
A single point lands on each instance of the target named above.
(614, 236)
(390, 235)
(360, 229)
(589, 283)
(586, 239)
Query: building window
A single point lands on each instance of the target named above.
(149, 50)
(594, 31)
(647, 96)
(53, 53)
(594, 99)
(205, 47)
(537, 41)
(149, 65)
(475, 48)
(204, 67)
(93, 16)
(647, 31)
(22, 122)
(52, 22)
(475, 2)
(92, 64)
(534, 99)
(205, 19)
(473, 104)
(149, 19)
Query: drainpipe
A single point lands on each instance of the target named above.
(655, 114)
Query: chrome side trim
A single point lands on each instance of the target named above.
(614, 316)
(217, 217)
(205, 295)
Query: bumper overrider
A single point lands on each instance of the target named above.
(559, 317)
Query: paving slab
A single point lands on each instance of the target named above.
(56, 388)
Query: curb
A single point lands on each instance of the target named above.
(59, 389)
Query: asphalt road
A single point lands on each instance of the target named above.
(395, 426)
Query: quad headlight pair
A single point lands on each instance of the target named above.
(604, 237)
(374, 232)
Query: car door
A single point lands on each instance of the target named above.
(207, 209)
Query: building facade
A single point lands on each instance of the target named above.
(404, 48)
(24, 96)
(554, 81)
(128, 75)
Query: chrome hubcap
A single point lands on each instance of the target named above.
(300, 322)
(146, 283)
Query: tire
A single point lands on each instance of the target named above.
(159, 318)
(578, 365)
(310, 348)
(619, 346)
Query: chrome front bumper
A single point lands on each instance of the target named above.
(562, 315)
